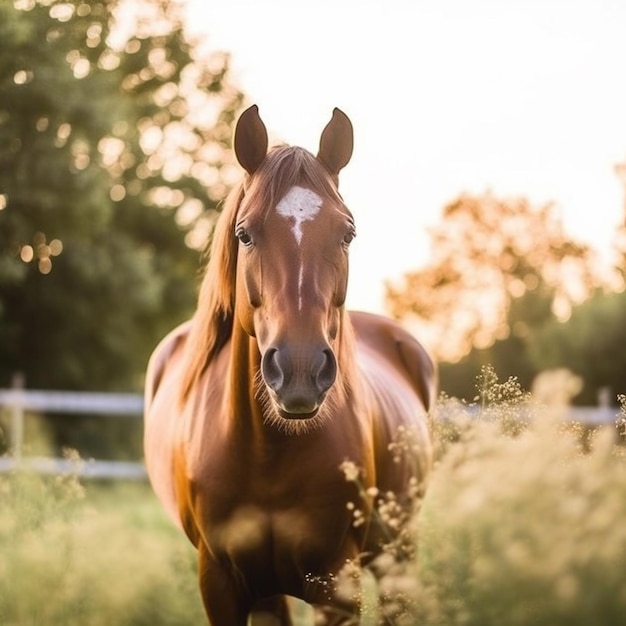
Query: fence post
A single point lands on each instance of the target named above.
(604, 397)
(17, 417)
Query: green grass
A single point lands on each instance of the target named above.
(102, 555)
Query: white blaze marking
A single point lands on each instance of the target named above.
(300, 204)
(300, 281)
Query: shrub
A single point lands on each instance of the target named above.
(525, 529)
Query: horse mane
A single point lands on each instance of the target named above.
(212, 323)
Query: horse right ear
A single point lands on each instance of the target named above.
(250, 140)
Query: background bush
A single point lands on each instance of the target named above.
(523, 530)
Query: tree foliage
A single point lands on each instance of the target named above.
(504, 278)
(113, 156)
(499, 267)
(592, 344)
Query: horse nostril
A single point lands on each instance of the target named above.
(327, 372)
(272, 372)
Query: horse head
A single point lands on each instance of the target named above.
(293, 233)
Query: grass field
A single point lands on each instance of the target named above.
(519, 527)
(101, 555)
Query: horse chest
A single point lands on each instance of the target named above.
(230, 480)
(279, 543)
(275, 514)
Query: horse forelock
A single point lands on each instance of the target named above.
(283, 168)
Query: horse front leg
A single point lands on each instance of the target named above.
(225, 603)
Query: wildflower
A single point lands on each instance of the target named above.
(359, 518)
(348, 579)
(621, 418)
(350, 471)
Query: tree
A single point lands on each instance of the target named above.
(499, 268)
(113, 157)
(591, 344)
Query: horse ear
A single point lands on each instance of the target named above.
(250, 140)
(336, 142)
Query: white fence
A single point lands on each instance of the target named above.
(19, 402)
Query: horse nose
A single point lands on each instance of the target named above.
(272, 370)
(327, 371)
(301, 382)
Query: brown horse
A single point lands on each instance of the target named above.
(253, 405)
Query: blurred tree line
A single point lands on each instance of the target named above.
(508, 287)
(113, 156)
(114, 137)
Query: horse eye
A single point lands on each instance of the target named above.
(348, 237)
(243, 236)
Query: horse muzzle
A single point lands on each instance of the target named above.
(299, 383)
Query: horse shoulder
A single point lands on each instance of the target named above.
(401, 378)
(160, 410)
(161, 357)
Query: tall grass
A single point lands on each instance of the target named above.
(95, 557)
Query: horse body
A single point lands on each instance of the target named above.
(244, 445)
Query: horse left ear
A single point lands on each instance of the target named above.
(250, 141)
(336, 143)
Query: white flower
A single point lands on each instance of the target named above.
(350, 470)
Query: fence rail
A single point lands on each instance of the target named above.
(96, 403)
(64, 467)
(19, 401)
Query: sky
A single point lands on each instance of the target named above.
(518, 97)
